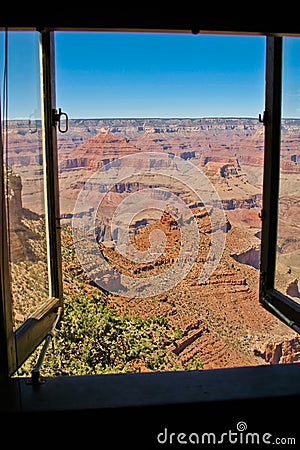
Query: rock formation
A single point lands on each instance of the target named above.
(292, 288)
(287, 351)
(19, 233)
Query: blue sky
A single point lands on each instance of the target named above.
(160, 75)
(109, 74)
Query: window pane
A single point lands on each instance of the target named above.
(23, 162)
(288, 239)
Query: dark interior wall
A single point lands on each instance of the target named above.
(230, 424)
(190, 17)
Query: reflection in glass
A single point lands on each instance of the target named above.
(23, 169)
(288, 238)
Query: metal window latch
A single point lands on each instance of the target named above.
(36, 378)
(60, 117)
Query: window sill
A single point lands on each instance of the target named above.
(137, 407)
(69, 393)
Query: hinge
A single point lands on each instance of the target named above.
(262, 296)
(263, 118)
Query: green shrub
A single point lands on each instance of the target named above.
(92, 338)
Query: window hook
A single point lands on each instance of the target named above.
(263, 118)
(32, 121)
(57, 119)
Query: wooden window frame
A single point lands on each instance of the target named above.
(282, 306)
(16, 346)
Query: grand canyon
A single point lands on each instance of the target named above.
(220, 316)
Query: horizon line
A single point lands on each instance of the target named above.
(156, 118)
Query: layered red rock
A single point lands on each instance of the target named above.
(96, 152)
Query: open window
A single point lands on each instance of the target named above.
(28, 220)
(31, 289)
(279, 250)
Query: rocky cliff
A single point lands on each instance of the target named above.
(287, 351)
(19, 233)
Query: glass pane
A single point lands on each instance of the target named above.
(288, 239)
(24, 184)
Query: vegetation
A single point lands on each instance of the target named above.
(92, 339)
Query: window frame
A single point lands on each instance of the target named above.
(16, 346)
(282, 306)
